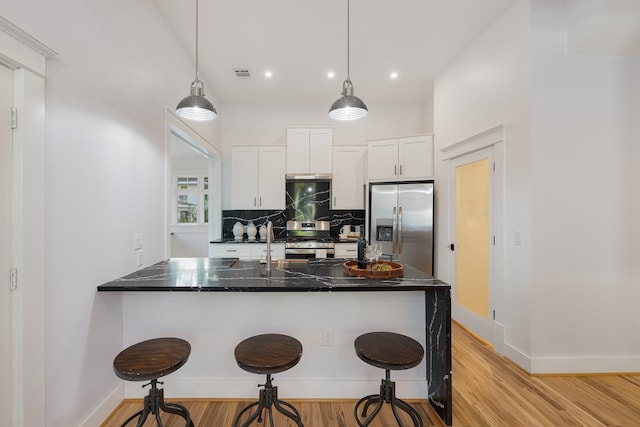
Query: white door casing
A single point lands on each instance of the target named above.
(489, 143)
(26, 58)
(6, 175)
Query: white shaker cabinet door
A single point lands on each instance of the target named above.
(347, 186)
(297, 151)
(320, 143)
(309, 150)
(415, 157)
(383, 160)
(271, 178)
(244, 177)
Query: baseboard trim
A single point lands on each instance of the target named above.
(594, 365)
(105, 408)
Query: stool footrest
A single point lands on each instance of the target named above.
(268, 399)
(387, 395)
(154, 403)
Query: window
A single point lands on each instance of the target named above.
(191, 201)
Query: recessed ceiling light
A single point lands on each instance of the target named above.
(268, 74)
(331, 74)
(393, 75)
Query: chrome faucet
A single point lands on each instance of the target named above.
(269, 232)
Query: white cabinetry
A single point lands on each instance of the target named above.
(347, 186)
(309, 150)
(346, 250)
(405, 158)
(230, 250)
(246, 251)
(258, 177)
(259, 251)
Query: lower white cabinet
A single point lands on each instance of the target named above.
(259, 251)
(246, 251)
(346, 250)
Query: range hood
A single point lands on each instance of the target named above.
(308, 177)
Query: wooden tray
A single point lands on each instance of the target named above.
(351, 268)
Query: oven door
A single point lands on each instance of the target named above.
(308, 253)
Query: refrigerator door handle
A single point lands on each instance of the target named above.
(399, 230)
(394, 233)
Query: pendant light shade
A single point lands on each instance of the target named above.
(349, 106)
(196, 106)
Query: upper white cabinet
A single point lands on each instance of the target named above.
(404, 158)
(347, 186)
(258, 177)
(309, 150)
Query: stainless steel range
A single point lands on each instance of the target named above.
(308, 239)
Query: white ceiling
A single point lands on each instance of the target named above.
(300, 41)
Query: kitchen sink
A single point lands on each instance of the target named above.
(289, 263)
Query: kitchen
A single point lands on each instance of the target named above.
(111, 154)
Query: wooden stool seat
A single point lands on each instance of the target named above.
(268, 354)
(151, 359)
(148, 361)
(389, 351)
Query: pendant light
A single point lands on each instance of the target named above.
(196, 106)
(349, 106)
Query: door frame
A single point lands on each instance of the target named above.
(176, 128)
(27, 57)
(469, 319)
(495, 140)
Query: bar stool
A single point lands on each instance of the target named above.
(268, 354)
(148, 361)
(389, 351)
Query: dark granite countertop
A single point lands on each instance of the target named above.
(232, 275)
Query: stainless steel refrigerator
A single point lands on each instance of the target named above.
(401, 221)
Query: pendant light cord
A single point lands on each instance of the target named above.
(348, 42)
(197, 75)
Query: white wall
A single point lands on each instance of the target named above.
(266, 125)
(486, 86)
(572, 187)
(585, 205)
(104, 172)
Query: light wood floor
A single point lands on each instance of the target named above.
(488, 390)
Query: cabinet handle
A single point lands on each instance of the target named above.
(254, 202)
(232, 250)
(400, 170)
(395, 170)
(260, 202)
(334, 201)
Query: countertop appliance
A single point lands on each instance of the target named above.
(401, 221)
(309, 239)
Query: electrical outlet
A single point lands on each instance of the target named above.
(327, 337)
(137, 242)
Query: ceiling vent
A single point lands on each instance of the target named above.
(242, 73)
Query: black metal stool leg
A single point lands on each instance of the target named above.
(387, 395)
(154, 403)
(267, 400)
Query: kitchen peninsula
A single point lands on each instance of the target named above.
(167, 297)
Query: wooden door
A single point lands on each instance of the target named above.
(472, 244)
